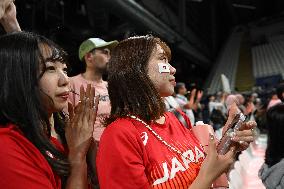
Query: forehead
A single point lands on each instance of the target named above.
(50, 53)
(45, 50)
(158, 50)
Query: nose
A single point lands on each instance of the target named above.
(172, 70)
(63, 79)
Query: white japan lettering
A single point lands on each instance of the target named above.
(177, 166)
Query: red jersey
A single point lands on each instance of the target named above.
(21, 163)
(131, 157)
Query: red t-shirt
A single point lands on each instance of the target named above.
(21, 163)
(131, 157)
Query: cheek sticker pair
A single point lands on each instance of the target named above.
(164, 68)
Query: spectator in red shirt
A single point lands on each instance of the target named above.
(34, 88)
(142, 146)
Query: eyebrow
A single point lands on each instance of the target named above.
(55, 62)
(163, 55)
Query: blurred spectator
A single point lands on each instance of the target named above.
(241, 102)
(213, 104)
(280, 92)
(94, 54)
(272, 171)
(250, 107)
(183, 102)
(274, 100)
(217, 118)
(171, 102)
(217, 112)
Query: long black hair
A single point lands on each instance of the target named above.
(130, 89)
(22, 65)
(275, 125)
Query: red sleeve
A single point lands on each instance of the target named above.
(22, 165)
(120, 161)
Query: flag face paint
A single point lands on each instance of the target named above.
(164, 68)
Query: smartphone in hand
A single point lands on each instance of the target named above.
(226, 141)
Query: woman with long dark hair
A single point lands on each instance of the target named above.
(272, 171)
(143, 146)
(34, 88)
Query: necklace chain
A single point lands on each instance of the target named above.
(174, 149)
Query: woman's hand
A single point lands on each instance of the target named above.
(199, 96)
(79, 129)
(192, 96)
(8, 17)
(3, 5)
(214, 165)
(245, 135)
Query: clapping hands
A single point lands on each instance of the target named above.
(80, 126)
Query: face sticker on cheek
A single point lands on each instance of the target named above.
(164, 68)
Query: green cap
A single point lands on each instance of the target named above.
(94, 43)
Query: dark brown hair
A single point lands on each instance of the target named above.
(130, 89)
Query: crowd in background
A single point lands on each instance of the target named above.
(63, 144)
(213, 108)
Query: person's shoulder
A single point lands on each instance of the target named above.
(9, 133)
(76, 82)
(121, 127)
(76, 77)
(105, 83)
(13, 142)
(15, 147)
(101, 84)
(21, 162)
(11, 136)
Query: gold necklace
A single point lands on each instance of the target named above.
(170, 147)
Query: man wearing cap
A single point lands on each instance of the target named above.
(95, 54)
